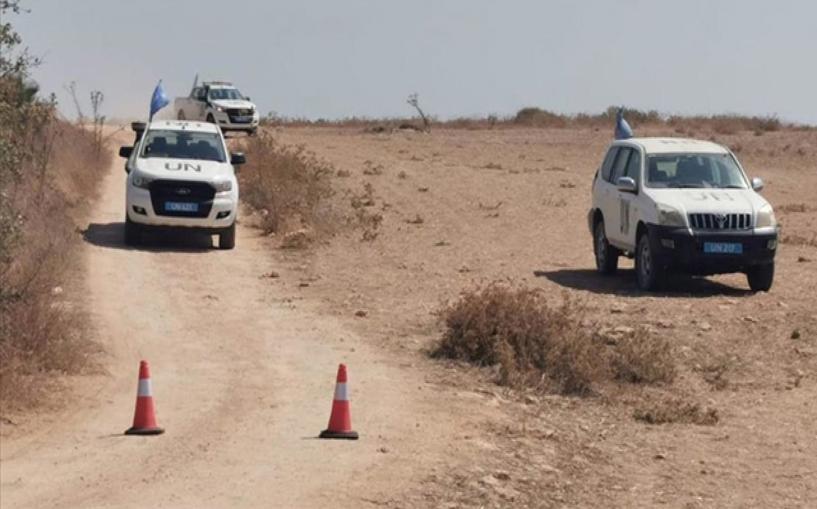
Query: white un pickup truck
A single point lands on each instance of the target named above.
(218, 102)
(180, 176)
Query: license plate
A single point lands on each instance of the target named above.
(242, 120)
(174, 206)
(723, 247)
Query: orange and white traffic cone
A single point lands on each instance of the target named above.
(340, 422)
(144, 418)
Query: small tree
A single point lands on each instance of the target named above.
(99, 120)
(414, 101)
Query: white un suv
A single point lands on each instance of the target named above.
(181, 175)
(684, 205)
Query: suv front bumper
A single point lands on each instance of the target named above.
(682, 250)
(221, 214)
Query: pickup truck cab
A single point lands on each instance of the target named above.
(181, 176)
(680, 205)
(218, 102)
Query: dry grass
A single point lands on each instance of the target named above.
(673, 410)
(288, 185)
(536, 343)
(41, 334)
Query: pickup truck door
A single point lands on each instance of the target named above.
(198, 103)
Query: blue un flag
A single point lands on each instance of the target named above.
(159, 99)
(623, 130)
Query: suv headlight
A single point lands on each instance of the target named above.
(765, 217)
(222, 186)
(140, 181)
(669, 216)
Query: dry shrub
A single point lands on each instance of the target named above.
(45, 189)
(290, 185)
(673, 410)
(643, 358)
(530, 339)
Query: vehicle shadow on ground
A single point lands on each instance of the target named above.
(623, 284)
(112, 235)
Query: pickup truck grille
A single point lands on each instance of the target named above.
(181, 191)
(720, 222)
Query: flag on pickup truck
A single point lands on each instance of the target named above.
(159, 99)
(623, 130)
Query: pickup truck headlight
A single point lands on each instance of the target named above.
(141, 181)
(222, 186)
(765, 217)
(669, 216)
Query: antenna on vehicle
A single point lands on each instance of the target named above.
(195, 81)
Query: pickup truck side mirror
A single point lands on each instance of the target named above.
(238, 158)
(757, 184)
(125, 151)
(626, 185)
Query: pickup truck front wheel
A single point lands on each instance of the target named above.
(606, 255)
(133, 232)
(226, 239)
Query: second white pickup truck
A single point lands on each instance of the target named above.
(218, 102)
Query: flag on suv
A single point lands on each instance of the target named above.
(159, 99)
(623, 130)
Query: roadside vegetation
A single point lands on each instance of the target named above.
(289, 187)
(551, 344)
(48, 171)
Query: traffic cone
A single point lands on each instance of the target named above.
(340, 422)
(144, 418)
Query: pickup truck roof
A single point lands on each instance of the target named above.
(181, 125)
(675, 145)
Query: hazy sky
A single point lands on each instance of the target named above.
(336, 58)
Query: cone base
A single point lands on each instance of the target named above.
(347, 435)
(145, 431)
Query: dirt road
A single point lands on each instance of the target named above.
(243, 377)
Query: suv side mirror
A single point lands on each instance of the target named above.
(238, 158)
(626, 185)
(757, 184)
(125, 151)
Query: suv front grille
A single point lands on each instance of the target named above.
(720, 222)
(240, 115)
(181, 191)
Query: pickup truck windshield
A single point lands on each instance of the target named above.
(694, 171)
(222, 94)
(183, 145)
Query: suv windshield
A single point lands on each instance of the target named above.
(694, 171)
(220, 94)
(183, 145)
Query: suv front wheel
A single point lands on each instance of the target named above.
(761, 277)
(606, 255)
(649, 274)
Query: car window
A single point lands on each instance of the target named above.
(694, 171)
(225, 94)
(198, 93)
(634, 166)
(607, 165)
(620, 164)
(183, 145)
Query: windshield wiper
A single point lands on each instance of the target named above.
(686, 186)
(733, 186)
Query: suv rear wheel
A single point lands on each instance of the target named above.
(606, 255)
(761, 277)
(649, 275)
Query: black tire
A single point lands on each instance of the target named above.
(605, 254)
(252, 132)
(226, 239)
(761, 277)
(181, 115)
(210, 118)
(650, 276)
(133, 232)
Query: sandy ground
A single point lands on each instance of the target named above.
(243, 364)
(243, 380)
